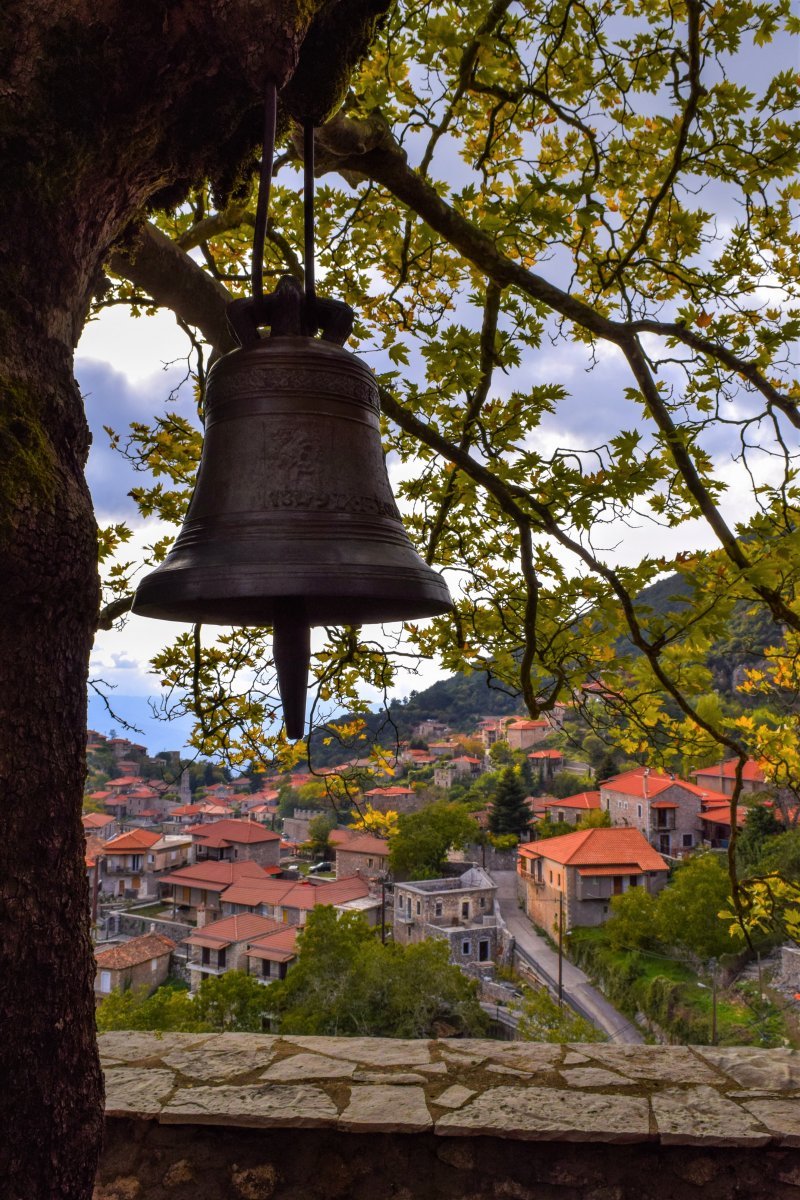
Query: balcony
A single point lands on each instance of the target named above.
(718, 1121)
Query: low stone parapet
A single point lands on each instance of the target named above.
(255, 1117)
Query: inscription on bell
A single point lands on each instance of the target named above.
(267, 379)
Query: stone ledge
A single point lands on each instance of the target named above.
(671, 1096)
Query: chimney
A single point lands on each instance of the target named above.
(644, 782)
(202, 916)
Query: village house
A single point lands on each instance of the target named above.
(359, 853)
(425, 730)
(573, 877)
(460, 911)
(221, 946)
(231, 840)
(200, 885)
(545, 764)
(522, 733)
(290, 902)
(396, 798)
(270, 956)
(124, 863)
(101, 825)
(143, 962)
(571, 809)
(666, 810)
(722, 776)
(463, 766)
(296, 827)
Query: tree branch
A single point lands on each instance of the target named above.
(153, 262)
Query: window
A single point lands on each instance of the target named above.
(151, 858)
(419, 907)
(173, 854)
(483, 950)
(105, 981)
(466, 947)
(551, 876)
(439, 908)
(205, 955)
(221, 955)
(265, 968)
(483, 902)
(639, 810)
(558, 880)
(369, 862)
(154, 965)
(465, 910)
(688, 840)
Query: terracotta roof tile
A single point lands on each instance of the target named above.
(133, 840)
(137, 950)
(585, 800)
(597, 847)
(231, 831)
(215, 876)
(239, 928)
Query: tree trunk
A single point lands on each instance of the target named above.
(104, 110)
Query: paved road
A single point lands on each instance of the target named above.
(536, 950)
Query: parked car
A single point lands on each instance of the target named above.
(320, 866)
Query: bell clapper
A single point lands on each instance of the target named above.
(292, 654)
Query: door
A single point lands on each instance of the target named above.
(663, 843)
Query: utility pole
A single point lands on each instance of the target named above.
(561, 950)
(383, 910)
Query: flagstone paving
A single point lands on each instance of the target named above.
(459, 1088)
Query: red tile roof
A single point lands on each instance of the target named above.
(230, 832)
(186, 810)
(546, 754)
(720, 814)
(124, 781)
(275, 947)
(215, 876)
(597, 848)
(390, 791)
(648, 786)
(585, 800)
(751, 772)
(354, 842)
(137, 950)
(290, 894)
(132, 841)
(240, 928)
(96, 820)
(524, 723)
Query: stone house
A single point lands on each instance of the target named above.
(124, 863)
(269, 957)
(571, 809)
(546, 764)
(576, 875)
(460, 910)
(522, 733)
(393, 799)
(721, 777)
(222, 945)
(288, 901)
(143, 962)
(359, 853)
(199, 886)
(100, 825)
(666, 810)
(296, 827)
(232, 840)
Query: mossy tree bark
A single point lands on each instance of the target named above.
(105, 111)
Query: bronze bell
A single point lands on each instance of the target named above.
(292, 522)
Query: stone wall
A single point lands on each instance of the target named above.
(204, 1116)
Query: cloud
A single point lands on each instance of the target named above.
(113, 399)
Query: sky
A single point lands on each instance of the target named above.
(130, 368)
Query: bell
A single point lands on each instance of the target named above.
(292, 522)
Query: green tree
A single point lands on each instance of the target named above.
(509, 811)
(168, 1009)
(319, 836)
(687, 912)
(543, 1020)
(595, 818)
(632, 924)
(760, 827)
(419, 848)
(347, 983)
(233, 1002)
(782, 854)
(564, 784)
